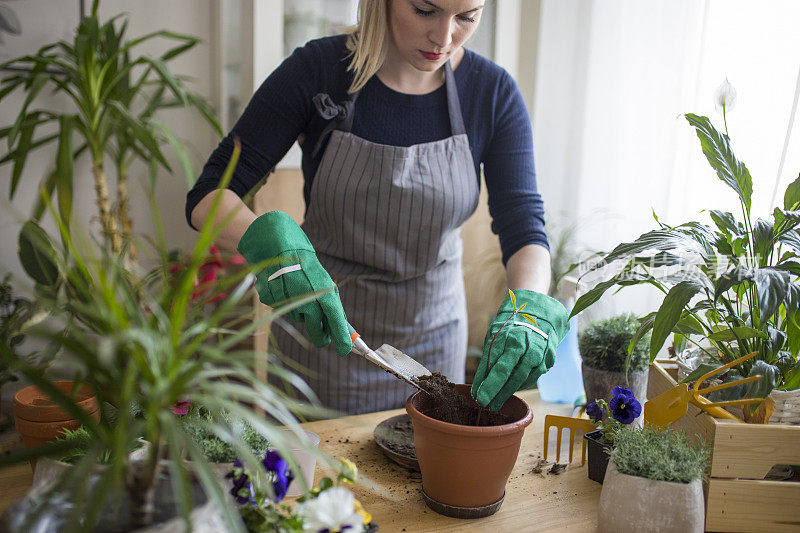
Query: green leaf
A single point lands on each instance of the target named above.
(733, 277)
(701, 370)
(726, 222)
(64, 169)
(645, 325)
(762, 240)
(762, 387)
(791, 379)
(772, 287)
(734, 334)
(37, 85)
(670, 311)
(141, 133)
(528, 317)
(184, 158)
(717, 150)
(791, 197)
(24, 146)
(36, 254)
(168, 78)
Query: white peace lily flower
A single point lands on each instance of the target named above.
(331, 511)
(725, 96)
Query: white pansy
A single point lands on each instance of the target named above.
(725, 96)
(332, 510)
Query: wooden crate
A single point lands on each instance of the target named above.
(737, 496)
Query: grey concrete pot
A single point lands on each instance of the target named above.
(600, 383)
(634, 504)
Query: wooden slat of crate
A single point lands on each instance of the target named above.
(748, 451)
(752, 505)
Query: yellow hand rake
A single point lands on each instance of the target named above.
(573, 424)
(671, 405)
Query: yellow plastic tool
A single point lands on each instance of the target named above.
(671, 405)
(583, 425)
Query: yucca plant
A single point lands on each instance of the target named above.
(734, 285)
(142, 344)
(115, 96)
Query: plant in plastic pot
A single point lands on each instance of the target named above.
(653, 483)
(605, 348)
(610, 418)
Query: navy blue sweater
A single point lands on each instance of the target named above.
(495, 118)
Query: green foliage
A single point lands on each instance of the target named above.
(734, 284)
(17, 315)
(604, 344)
(144, 339)
(659, 454)
(115, 97)
(216, 449)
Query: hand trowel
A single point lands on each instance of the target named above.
(390, 359)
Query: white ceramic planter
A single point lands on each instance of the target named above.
(634, 504)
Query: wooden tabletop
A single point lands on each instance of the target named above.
(533, 502)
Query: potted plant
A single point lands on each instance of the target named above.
(140, 343)
(610, 418)
(732, 285)
(605, 347)
(115, 97)
(653, 483)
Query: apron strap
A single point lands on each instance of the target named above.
(341, 115)
(453, 104)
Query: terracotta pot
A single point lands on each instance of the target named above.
(40, 420)
(633, 504)
(465, 468)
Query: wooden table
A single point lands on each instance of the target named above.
(534, 502)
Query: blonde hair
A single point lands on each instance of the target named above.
(368, 41)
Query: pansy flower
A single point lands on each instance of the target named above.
(242, 489)
(279, 468)
(332, 511)
(624, 406)
(594, 411)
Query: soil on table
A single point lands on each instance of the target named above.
(450, 406)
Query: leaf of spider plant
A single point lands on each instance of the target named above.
(513, 298)
(529, 318)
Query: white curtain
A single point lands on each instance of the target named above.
(613, 78)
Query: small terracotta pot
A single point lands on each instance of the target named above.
(40, 420)
(465, 468)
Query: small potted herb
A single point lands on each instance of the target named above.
(605, 347)
(610, 418)
(653, 483)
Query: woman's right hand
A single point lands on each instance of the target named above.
(295, 271)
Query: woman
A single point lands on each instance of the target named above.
(395, 120)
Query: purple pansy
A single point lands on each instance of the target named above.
(624, 406)
(594, 411)
(242, 489)
(273, 462)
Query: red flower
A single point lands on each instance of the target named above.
(181, 407)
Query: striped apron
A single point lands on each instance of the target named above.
(385, 223)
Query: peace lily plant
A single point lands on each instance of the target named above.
(732, 287)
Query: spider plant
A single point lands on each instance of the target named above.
(141, 343)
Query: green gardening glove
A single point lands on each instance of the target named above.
(522, 351)
(295, 272)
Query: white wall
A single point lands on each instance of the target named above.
(45, 21)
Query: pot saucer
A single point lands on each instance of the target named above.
(454, 511)
(395, 437)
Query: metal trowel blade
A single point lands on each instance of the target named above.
(402, 362)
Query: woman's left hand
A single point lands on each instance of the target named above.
(520, 350)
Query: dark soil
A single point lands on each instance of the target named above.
(403, 431)
(455, 408)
